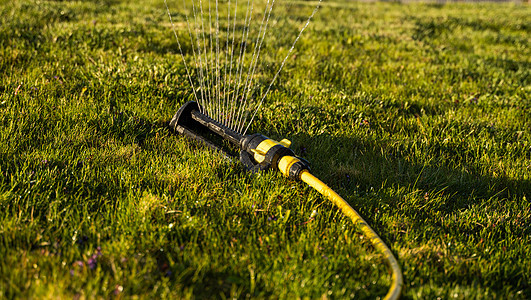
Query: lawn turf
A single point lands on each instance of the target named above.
(419, 115)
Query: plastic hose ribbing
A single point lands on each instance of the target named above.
(396, 286)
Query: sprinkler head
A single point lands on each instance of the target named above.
(257, 152)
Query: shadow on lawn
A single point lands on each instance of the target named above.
(352, 163)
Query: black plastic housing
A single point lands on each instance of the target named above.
(190, 122)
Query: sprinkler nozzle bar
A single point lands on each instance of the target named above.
(258, 152)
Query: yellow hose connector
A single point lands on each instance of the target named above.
(318, 185)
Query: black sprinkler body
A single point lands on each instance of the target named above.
(257, 152)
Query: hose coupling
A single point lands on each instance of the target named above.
(261, 153)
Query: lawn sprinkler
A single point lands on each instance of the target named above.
(257, 152)
(260, 153)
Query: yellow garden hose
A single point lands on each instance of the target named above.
(293, 167)
(318, 185)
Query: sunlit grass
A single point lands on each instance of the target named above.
(419, 115)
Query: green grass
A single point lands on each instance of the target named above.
(418, 115)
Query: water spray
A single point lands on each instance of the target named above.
(259, 153)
